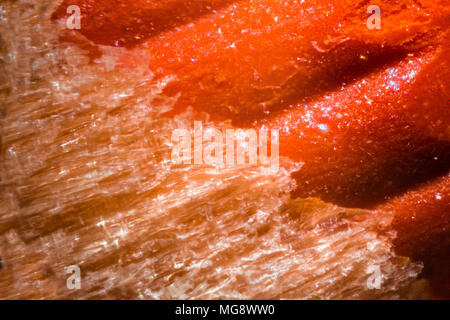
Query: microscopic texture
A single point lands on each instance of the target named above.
(358, 210)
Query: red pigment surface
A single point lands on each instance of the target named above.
(422, 222)
(124, 23)
(361, 144)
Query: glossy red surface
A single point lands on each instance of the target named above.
(367, 141)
